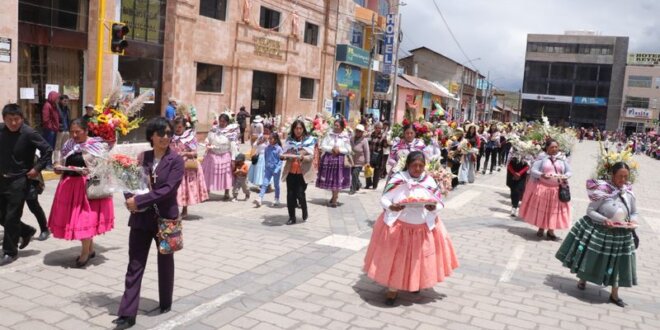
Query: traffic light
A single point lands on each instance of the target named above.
(118, 40)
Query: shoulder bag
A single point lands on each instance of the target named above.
(564, 189)
(170, 231)
(634, 232)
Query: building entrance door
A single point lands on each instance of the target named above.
(264, 88)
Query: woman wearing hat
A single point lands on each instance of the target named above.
(361, 157)
(221, 150)
(468, 165)
(257, 128)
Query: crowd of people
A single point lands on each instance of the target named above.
(420, 161)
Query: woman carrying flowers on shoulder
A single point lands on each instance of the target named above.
(333, 174)
(600, 248)
(410, 249)
(400, 150)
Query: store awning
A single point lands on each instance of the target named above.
(405, 84)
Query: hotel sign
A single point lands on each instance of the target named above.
(353, 55)
(548, 98)
(267, 47)
(640, 113)
(644, 58)
(388, 57)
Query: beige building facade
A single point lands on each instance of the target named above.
(640, 111)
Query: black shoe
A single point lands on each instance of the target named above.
(25, 240)
(43, 236)
(82, 264)
(124, 322)
(305, 215)
(619, 302)
(164, 310)
(582, 285)
(291, 221)
(7, 259)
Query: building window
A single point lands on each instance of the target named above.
(70, 15)
(640, 81)
(563, 48)
(213, 8)
(307, 88)
(637, 102)
(562, 71)
(657, 83)
(269, 19)
(587, 73)
(383, 7)
(380, 46)
(359, 2)
(357, 34)
(145, 19)
(311, 34)
(209, 78)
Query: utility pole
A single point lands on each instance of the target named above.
(473, 114)
(460, 93)
(99, 52)
(371, 59)
(487, 109)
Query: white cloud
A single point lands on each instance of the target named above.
(496, 30)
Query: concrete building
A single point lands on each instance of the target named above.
(433, 66)
(640, 111)
(274, 57)
(574, 79)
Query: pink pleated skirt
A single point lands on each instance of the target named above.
(217, 171)
(193, 188)
(74, 217)
(542, 208)
(409, 257)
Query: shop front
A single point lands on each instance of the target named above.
(347, 97)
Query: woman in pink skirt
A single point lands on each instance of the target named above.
(220, 152)
(541, 206)
(410, 249)
(73, 216)
(193, 187)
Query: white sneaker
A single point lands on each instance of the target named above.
(257, 202)
(514, 211)
(234, 199)
(277, 203)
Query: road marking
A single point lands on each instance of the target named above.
(511, 266)
(198, 311)
(345, 242)
(489, 186)
(461, 199)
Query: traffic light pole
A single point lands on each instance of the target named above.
(99, 52)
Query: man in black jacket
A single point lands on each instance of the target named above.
(241, 118)
(18, 143)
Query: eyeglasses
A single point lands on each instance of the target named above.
(165, 133)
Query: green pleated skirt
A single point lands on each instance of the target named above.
(598, 254)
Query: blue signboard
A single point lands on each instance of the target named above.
(388, 57)
(348, 78)
(598, 101)
(353, 55)
(382, 83)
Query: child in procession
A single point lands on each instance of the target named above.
(273, 169)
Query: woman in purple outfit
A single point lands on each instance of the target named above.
(333, 174)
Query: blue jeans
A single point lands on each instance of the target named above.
(50, 137)
(268, 175)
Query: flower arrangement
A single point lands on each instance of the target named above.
(128, 174)
(607, 160)
(117, 114)
(441, 175)
(541, 131)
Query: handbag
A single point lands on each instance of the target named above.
(170, 234)
(564, 189)
(634, 232)
(255, 159)
(348, 160)
(191, 164)
(95, 190)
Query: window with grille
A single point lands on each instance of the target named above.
(213, 8)
(269, 19)
(307, 88)
(311, 34)
(209, 78)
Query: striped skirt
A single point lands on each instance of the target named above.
(601, 255)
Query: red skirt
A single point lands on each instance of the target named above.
(542, 208)
(409, 257)
(74, 217)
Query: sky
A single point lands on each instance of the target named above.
(496, 30)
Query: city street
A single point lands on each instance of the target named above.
(242, 268)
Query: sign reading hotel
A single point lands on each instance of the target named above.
(644, 58)
(640, 113)
(267, 47)
(549, 98)
(388, 57)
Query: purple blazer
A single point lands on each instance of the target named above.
(165, 184)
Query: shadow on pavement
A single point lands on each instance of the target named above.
(503, 194)
(66, 258)
(593, 294)
(192, 217)
(319, 201)
(111, 303)
(374, 294)
(526, 233)
(276, 220)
